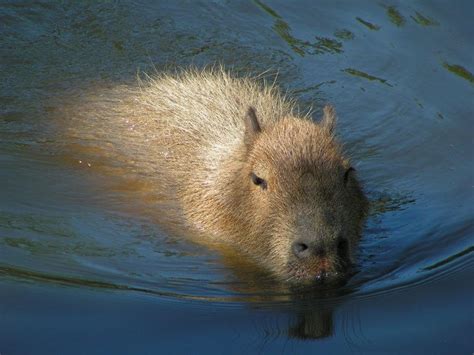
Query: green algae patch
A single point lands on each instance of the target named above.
(460, 71)
(361, 74)
(389, 203)
(423, 20)
(118, 45)
(49, 247)
(395, 16)
(418, 102)
(267, 9)
(344, 34)
(320, 46)
(198, 50)
(327, 45)
(369, 25)
(283, 30)
(313, 87)
(21, 243)
(37, 224)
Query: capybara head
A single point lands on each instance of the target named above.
(303, 203)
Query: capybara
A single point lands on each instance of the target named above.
(243, 166)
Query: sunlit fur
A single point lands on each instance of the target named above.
(188, 129)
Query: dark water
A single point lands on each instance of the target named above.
(81, 273)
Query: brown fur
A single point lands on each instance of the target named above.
(197, 135)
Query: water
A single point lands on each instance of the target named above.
(83, 270)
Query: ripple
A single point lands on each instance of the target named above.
(397, 122)
(449, 259)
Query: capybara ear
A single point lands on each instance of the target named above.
(252, 127)
(329, 118)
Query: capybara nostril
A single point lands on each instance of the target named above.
(301, 250)
(304, 250)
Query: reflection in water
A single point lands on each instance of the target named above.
(313, 312)
(313, 323)
(310, 313)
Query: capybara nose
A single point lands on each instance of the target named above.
(304, 250)
(300, 249)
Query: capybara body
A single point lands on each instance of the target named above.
(243, 168)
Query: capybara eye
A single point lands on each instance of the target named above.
(347, 174)
(258, 181)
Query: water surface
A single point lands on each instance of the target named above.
(83, 270)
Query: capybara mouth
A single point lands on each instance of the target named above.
(304, 275)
